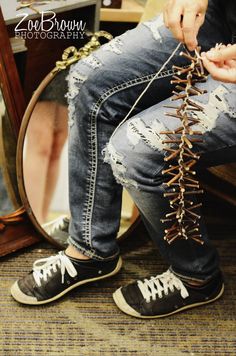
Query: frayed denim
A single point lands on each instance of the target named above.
(102, 88)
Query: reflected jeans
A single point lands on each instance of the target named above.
(102, 88)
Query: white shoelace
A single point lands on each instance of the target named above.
(42, 269)
(160, 284)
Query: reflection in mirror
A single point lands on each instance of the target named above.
(9, 198)
(44, 153)
(45, 164)
(45, 139)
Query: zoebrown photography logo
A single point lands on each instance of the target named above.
(49, 27)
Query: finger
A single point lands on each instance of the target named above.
(224, 75)
(228, 64)
(210, 66)
(231, 63)
(188, 27)
(219, 55)
(221, 74)
(174, 22)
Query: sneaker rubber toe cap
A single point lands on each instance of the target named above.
(123, 305)
(21, 297)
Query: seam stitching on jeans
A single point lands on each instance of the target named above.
(92, 146)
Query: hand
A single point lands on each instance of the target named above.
(221, 63)
(184, 18)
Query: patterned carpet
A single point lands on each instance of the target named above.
(87, 323)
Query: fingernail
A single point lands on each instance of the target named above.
(211, 54)
(203, 54)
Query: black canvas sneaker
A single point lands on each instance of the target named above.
(164, 295)
(55, 276)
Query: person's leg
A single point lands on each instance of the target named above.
(103, 87)
(138, 162)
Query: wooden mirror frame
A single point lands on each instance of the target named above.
(10, 82)
(19, 155)
(16, 231)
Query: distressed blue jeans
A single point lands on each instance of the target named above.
(102, 88)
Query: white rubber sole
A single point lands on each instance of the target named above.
(127, 309)
(20, 297)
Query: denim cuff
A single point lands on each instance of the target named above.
(185, 277)
(87, 251)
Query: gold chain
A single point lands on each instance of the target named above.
(72, 54)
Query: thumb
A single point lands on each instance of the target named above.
(222, 54)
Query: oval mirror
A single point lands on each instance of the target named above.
(42, 162)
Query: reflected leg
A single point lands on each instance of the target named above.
(39, 141)
(46, 135)
(60, 135)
